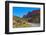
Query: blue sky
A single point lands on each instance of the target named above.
(20, 11)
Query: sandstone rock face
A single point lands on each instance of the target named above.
(34, 16)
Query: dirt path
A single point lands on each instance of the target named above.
(35, 24)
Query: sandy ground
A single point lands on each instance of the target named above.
(35, 24)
